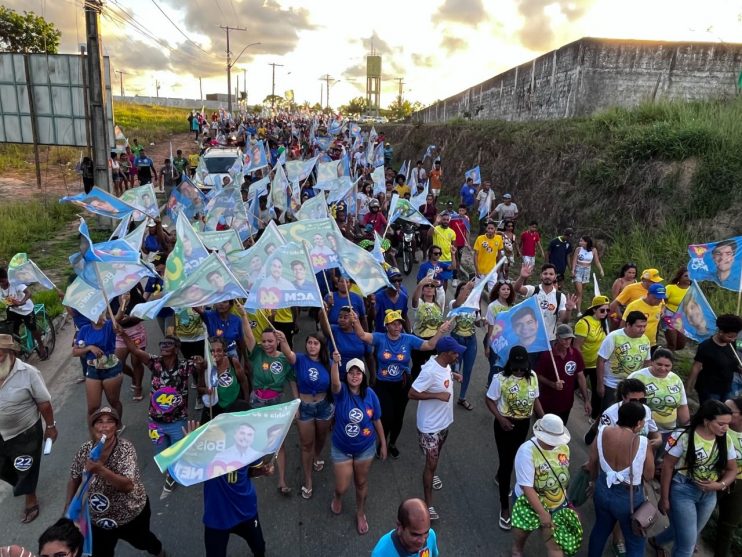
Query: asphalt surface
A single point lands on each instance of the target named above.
(467, 504)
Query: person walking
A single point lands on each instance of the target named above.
(582, 260)
(716, 361)
(590, 331)
(730, 501)
(413, 534)
(502, 297)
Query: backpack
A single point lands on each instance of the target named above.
(537, 289)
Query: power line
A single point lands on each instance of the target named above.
(178, 28)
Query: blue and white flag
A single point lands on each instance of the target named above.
(523, 325)
(336, 126)
(21, 270)
(254, 158)
(115, 251)
(355, 129)
(122, 228)
(144, 199)
(378, 159)
(78, 510)
(101, 203)
(474, 174)
(280, 189)
(187, 199)
(418, 200)
(404, 168)
(343, 193)
(472, 302)
(429, 152)
(379, 179)
(378, 251)
(402, 209)
(695, 319)
(719, 262)
(313, 208)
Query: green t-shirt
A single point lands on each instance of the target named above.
(548, 479)
(624, 355)
(707, 453)
(270, 372)
(664, 395)
(228, 388)
(428, 319)
(515, 396)
(737, 440)
(465, 324)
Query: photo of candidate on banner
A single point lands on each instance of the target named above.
(323, 238)
(695, 319)
(521, 325)
(101, 203)
(144, 199)
(474, 174)
(227, 443)
(225, 241)
(186, 198)
(21, 270)
(719, 262)
(247, 264)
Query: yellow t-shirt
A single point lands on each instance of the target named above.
(402, 190)
(737, 441)
(258, 324)
(630, 293)
(591, 330)
(443, 238)
(487, 251)
(675, 295)
(653, 314)
(706, 455)
(283, 315)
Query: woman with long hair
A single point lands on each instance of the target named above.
(512, 398)
(428, 316)
(699, 464)
(232, 385)
(312, 370)
(590, 330)
(510, 246)
(730, 501)
(62, 537)
(676, 289)
(584, 256)
(626, 276)
(465, 333)
(502, 297)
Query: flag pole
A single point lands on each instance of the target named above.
(103, 291)
(322, 303)
(551, 353)
(739, 295)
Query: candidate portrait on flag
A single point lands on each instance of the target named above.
(719, 262)
(694, 318)
(521, 325)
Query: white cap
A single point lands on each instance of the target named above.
(355, 362)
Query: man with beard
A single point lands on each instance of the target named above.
(24, 400)
(443, 237)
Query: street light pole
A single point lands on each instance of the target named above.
(273, 83)
(227, 28)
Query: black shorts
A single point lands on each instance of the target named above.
(16, 319)
(20, 460)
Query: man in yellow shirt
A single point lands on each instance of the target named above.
(634, 291)
(650, 305)
(488, 250)
(443, 237)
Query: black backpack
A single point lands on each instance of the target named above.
(537, 289)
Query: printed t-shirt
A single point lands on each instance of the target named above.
(389, 546)
(623, 355)
(707, 454)
(383, 303)
(492, 310)
(312, 377)
(154, 285)
(737, 440)
(270, 372)
(169, 393)
(468, 195)
(592, 331)
(652, 313)
(188, 325)
(664, 395)
(428, 319)
(487, 251)
(434, 415)
(528, 241)
(718, 365)
(227, 388)
(630, 293)
(104, 338)
(610, 417)
(349, 346)
(426, 266)
(229, 500)
(230, 328)
(16, 292)
(559, 250)
(393, 357)
(568, 367)
(465, 323)
(340, 302)
(545, 470)
(443, 238)
(515, 396)
(547, 302)
(675, 295)
(354, 432)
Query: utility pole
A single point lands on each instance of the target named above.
(227, 28)
(326, 78)
(273, 83)
(157, 88)
(244, 85)
(121, 80)
(237, 91)
(401, 85)
(200, 89)
(97, 94)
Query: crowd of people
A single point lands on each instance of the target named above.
(363, 358)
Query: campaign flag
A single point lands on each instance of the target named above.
(21, 270)
(286, 280)
(378, 251)
(472, 302)
(486, 207)
(186, 198)
(363, 268)
(78, 510)
(298, 171)
(467, 223)
(323, 237)
(145, 201)
(135, 238)
(404, 168)
(216, 448)
(523, 325)
(429, 152)
(474, 174)
(342, 193)
(328, 171)
(188, 253)
(211, 378)
(372, 136)
(101, 203)
(405, 211)
(335, 127)
(418, 200)
(325, 142)
(246, 264)
(212, 282)
(378, 159)
(225, 241)
(221, 208)
(255, 158)
(345, 162)
(379, 179)
(313, 208)
(695, 319)
(113, 251)
(355, 129)
(279, 188)
(719, 262)
(122, 228)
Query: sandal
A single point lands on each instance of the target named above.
(318, 465)
(362, 525)
(465, 403)
(30, 514)
(137, 396)
(505, 523)
(306, 493)
(437, 483)
(332, 506)
(285, 491)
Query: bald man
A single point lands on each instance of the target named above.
(413, 535)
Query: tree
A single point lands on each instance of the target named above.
(358, 105)
(27, 33)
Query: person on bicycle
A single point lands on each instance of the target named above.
(20, 309)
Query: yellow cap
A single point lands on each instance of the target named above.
(652, 275)
(392, 315)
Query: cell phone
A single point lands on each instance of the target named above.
(431, 273)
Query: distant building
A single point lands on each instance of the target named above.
(590, 75)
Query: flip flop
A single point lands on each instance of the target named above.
(437, 483)
(30, 514)
(318, 465)
(285, 491)
(306, 493)
(332, 508)
(362, 525)
(465, 403)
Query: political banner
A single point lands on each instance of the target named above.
(323, 237)
(122, 228)
(324, 142)
(78, 511)
(254, 158)
(378, 158)
(429, 152)
(135, 238)
(372, 137)
(286, 280)
(224, 241)
(188, 253)
(313, 208)
(211, 378)
(719, 262)
(363, 268)
(21, 270)
(101, 203)
(521, 325)
(227, 443)
(419, 199)
(280, 188)
(377, 252)
(336, 126)
(221, 208)
(345, 193)
(298, 171)
(145, 201)
(472, 302)
(474, 174)
(247, 264)
(379, 179)
(187, 199)
(212, 282)
(355, 129)
(403, 210)
(329, 171)
(695, 319)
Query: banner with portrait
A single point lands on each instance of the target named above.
(719, 262)
(523, 325)
(695, 319)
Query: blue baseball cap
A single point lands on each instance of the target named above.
(448, 344)
(658, 291)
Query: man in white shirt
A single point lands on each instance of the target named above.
(433, 388)
(20, 309)
(486, 200)
(507, 210)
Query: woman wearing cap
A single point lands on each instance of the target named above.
(730, 501)
(316, 408)
(119, 506)
(502, 297)
(428, 316)
(542, 475)
(584, 256)
(619, 460)
(590, 330)
(346, 340)
(354, 435)
(512, 398)
(699, 464)
(676, 289)
(393, 360)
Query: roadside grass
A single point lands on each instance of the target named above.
(51, 300)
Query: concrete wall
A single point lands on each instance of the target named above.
(590, 75)
(173, 103)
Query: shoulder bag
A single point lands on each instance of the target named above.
(645, 516)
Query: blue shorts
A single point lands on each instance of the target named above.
(91, 372)
(339, 456)
(163, 434)
(322, 410)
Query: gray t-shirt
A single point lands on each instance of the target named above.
(20, 393)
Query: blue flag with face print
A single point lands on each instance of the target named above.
(694, 318)
(719, 262)
(522, 324)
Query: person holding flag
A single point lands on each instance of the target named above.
(465, 334)
(232, 382)
(17, 298)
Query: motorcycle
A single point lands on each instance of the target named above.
(408, 247)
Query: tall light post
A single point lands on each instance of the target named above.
(230, 65)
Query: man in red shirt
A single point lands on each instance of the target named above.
(460, 225)
(528, 242)
(375, 217)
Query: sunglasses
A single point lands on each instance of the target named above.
(602, 310)
(643, 400)
(166, 344)
(397, 281)
(504, 281)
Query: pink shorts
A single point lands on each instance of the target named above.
(137, 333)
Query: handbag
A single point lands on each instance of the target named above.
(577, 489)
(645, 516)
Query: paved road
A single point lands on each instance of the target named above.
(468, 502)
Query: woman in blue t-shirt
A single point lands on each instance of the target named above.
(316, 408)
(221, 322)
(357, 426)
(393, 362)
(346, 341)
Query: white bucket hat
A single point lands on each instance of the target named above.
(550, 429)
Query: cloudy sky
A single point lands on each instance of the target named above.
(439, 47)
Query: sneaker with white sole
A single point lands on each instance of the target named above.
(433, 513)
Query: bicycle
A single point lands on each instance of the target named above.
(25, 338)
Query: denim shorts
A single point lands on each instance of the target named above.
(322, 410)
(91, 372)
(257, 402)
(582, 274)
(163, 434)
(339, 456)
